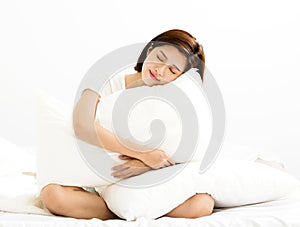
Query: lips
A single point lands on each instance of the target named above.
(153, 76)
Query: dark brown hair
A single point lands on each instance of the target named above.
(184, 42)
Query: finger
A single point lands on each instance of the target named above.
(122, 174)
(124, 157)
(171, 161)
(161, 165)
(166, 163)
(133, 171)
(127, 175)
(120, 167)
(117, 174)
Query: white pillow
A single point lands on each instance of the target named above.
(152, 202)
(58, 157)
(230, 182)
(142, 106)
(242, 182)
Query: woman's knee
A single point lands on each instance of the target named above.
(53, 198)
(203, 205)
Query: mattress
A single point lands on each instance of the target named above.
(279, 213)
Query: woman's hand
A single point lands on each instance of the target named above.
(156, 159)
(131, 168)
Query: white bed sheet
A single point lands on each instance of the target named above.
(18, 194)
(280, 213)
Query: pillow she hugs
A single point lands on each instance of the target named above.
(174, 117)
(59, 159)
(230, 182)
(59, 148)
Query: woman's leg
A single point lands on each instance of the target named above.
(199, 205)
(75, 202)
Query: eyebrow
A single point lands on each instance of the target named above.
(165, 56)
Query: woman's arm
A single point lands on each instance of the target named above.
(89, 130)
(84, 117)
(156, 159)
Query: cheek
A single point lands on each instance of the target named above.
(147, 64)
(166, 79)
(145, 67)
(171, 77)
(145, 70)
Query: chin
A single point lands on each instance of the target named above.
(149, 84)
(148, 81)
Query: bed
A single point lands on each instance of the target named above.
(281, 213)
(19, 205)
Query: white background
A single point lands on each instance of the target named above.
(252, 49)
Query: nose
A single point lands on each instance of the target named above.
(160, 69)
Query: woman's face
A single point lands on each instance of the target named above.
(162, 65)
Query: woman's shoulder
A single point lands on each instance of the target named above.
(133, 80)
(129, 78)
(119, 82)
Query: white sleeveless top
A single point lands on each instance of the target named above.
(116, 83)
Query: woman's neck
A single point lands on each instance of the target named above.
(134, 80)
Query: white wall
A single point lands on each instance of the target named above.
(252, 49)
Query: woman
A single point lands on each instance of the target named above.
(163, 59)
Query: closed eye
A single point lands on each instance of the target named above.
(159, 58)
(171, 70)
